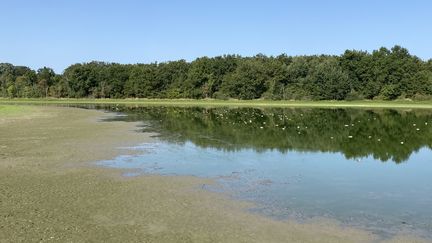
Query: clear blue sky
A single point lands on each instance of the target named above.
(57, 33)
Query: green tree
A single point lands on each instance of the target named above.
(247, 81)
(45, 78)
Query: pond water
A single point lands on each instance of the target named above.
(370, 169)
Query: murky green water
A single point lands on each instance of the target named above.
(366, 168)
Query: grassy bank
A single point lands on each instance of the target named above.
(233, 103)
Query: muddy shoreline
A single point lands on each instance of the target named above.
(50, 193)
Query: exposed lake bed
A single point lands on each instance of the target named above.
(98, 204)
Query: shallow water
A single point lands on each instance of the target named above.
(366, 168)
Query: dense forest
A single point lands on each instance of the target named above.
(383, 74)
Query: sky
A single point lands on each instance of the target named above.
(58, 33)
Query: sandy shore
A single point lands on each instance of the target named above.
(50, 192)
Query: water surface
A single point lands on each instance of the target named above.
(366, 168)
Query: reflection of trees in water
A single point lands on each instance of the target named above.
(355, 133)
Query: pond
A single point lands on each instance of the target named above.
(370, 169)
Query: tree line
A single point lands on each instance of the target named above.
(382, 74)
